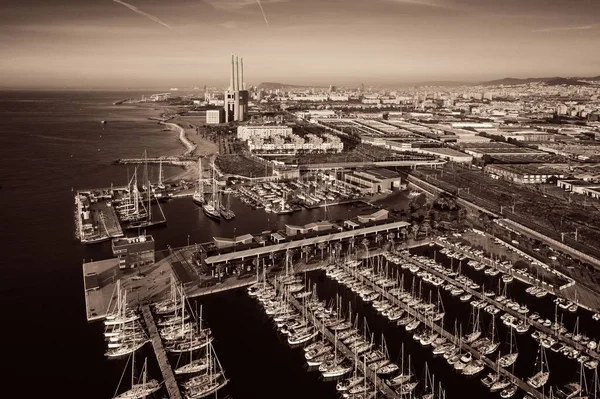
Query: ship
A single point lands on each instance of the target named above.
(211, 208)
(198, 196)
(225, 210)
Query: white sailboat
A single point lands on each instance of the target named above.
(198, 196)
(212, 207)
(120, 314)
(335, 368)
(208, 383)
(540, 378)
(511, 357)
(141, 389)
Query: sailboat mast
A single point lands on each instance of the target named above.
(132, 369)
(160, 173)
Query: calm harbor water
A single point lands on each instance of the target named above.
(53, 143)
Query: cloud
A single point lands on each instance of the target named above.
(143, 13)
(231, 5)
(564, 28)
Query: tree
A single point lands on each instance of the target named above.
(365, 244)
(415, 229)
(321, 246)
(390, 238)
(378, 238)
(404, 233)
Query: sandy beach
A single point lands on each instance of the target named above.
(187, 136)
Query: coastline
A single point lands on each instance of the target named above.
(190, 147)
(194, 145)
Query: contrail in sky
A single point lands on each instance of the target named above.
(145, 14)
(263, 12)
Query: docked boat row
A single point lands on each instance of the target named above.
(184, 335)
(124, 333)
(520, 320)
(391, 301)
(364, 356)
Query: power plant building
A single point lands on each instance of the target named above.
(236, 97)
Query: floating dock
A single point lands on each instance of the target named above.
(467, 348)
(370, 375)
(491, 301)
(161, 355)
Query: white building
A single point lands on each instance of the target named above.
(214, 116)
(246, 132)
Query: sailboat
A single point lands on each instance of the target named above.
(541, 377)
(335, 367)
(211, 208)
(120, 315)
(493, 345)
(198, 196)
(206, 384)
(225, 210)
(197, 365)
(511, 357)
(141, 389)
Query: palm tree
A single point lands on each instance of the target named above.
(352, 241)
(338, 248)
(378, 237)
(365, 243)
(426, 227)
(390, 237)
(415, 229)
(404, 233)
(306, 251)
(321, 246)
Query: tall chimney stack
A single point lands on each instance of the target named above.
(236, 89)
(231, 77)
(242, 81)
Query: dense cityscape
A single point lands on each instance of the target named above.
(437, 242)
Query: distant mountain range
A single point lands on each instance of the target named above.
(554, 81)
(551, 81)
(281, 86)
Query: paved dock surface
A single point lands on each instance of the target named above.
(161, 355)
(98, 298)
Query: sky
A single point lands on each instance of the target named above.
(121, 44)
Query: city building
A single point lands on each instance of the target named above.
(224, 242)
(373, 181)
(292, 230)
(523, 174)
(580, 187)
(446, 153)
(381, 214)
(246, 132)
(215, 116)
(134, 251)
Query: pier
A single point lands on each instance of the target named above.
(449, 336)
(491, 301)
(267, 250)
(370, 375)
(161, 355)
